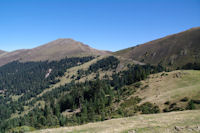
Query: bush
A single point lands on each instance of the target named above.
(177, 109)
(190, 105)
(172, 105)
(167, 103)
(185, 99)
(149, 108)
(137, 84)
(146, 86)
(166, 110)
(196, 101)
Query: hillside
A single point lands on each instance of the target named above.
(54, 50)
(170, 91)
(2, 52)
(164, 92)
(167, 88)
(171, 51)
(64, 92)
(65, 83)
(184, 122)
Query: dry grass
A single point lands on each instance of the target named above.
(16, 97)
(186, 121)
(172, 49)
(171, 87)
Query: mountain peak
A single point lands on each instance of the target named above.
(54, 50)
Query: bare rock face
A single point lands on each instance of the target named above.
(54, 50)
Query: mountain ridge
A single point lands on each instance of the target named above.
(173, 50)
(2, 52)
(54, 50)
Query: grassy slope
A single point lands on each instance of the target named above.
(172, 87)
(177, 49)
(187, 121)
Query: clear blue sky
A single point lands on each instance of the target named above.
(102, 24)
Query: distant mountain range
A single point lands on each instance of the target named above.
(172, 51)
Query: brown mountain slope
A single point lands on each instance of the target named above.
(54, 50)
(1, 51)
(173, 51)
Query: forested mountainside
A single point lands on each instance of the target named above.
(171, 51)
(32, 94)
(23, 82)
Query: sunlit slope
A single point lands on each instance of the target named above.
(184, 122)
(158, 88)
(172, 51)
(54, 50)
(170, 86)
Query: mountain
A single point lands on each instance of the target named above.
(2, 52)
(172, 51)
(54, 50)
(37, 94)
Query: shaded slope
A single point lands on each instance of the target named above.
(174, 50)
(54, 50)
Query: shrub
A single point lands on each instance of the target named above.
(196, 101)
(167, 103)
(166, 110)
(146, 86)
(149, 108)
(177, 109)
(190, 105)
(137, 84)
(185, 99)
(172, 105)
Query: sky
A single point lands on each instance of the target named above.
(102, 24)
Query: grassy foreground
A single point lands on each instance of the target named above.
(184, 122)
